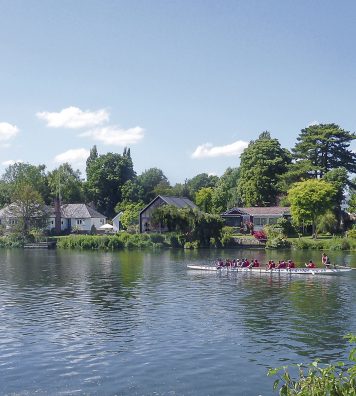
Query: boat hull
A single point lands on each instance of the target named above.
(285, 271)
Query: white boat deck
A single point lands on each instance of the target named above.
(263, 270)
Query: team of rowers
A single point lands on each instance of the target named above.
(254, 263)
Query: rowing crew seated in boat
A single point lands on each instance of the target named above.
(243, 263)
(281, 264)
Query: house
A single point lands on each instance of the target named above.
(258, 216)
(80, 217)
(116, 221)
(146, 213)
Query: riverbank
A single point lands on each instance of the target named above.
(172, 240)
(124, 240)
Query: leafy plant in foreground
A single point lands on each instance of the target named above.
(315, 380)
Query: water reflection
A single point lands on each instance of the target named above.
(136, 322)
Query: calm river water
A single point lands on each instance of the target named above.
(140, 323)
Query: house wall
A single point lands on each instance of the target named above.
(145, 217)
(78, 223)
(261, 220)
(116, 223)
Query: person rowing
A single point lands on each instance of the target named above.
(290, 264)
(325, 260)
(281, 264)
(310, 264)
(271, 264)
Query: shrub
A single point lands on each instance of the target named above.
(278, 243)
(313, 379)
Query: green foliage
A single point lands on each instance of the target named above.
(317, 380)
(195, 225)
(309, 200)
(225, 194)
(24, 173)
(152, 182)
(262, 164)
(352, 203)
(28, 209)
(105, 177)
(202, 180)
(277, 234)
(327, 223)
(67, 183)
(130, 213)
(203, 198)
(326, 147)
(352, 233)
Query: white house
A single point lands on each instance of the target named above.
(81, 217)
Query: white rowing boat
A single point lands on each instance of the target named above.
(262, 270)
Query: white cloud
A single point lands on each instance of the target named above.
(74, 118)
(116, 136)
(207, 150)
(7, 132)
(313, 123)
(11, 162)
(73, 156)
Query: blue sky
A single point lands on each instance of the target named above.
(184, 84)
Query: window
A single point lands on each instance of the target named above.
(79, 221)
(272, 220)
(257, 221)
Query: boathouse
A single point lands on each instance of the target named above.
(146, 213)
(258, 216)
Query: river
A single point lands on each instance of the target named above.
(140, 323)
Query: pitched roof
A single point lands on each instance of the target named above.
(82, 211)
(178, 202)
(260, 211)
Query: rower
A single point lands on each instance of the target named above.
(325, 260)
(310, 264)
(281, 264)
(290, 264)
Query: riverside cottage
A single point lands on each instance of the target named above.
(145, 224)
(67, 217)
(258, 216)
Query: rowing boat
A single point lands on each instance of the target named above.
(261, 270)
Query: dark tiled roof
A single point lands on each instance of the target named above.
(82, 211)
(260, 211)
(76, 211)
(179, 202)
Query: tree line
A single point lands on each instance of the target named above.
(313, 177)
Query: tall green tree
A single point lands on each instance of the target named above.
(28, 208)
(93, 155)
(202, 180)
(225, 194)
(150, 180)
(339, 179)
(106, 176)
(262, 164)
(25, 173)
(67, 183)
(326, 147)
(204, 199)
(309, 200)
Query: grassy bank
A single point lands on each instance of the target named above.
(119, 241)
(323, 243)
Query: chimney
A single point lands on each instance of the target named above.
(57, 213)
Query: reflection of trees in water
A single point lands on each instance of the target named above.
(307, 316)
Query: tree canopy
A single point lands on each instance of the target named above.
(67, 183)
(326, 147)
(309, 200)
(106, 176)
(262, 163)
